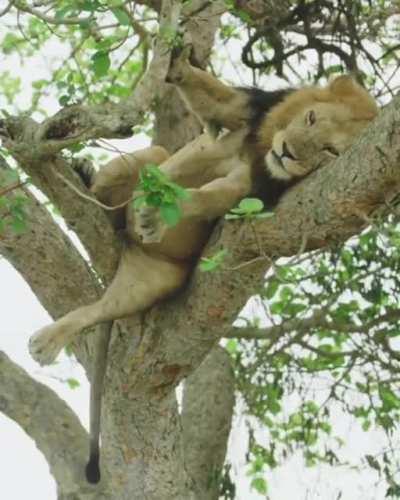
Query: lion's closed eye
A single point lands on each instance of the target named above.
(331, 150)
(310, 118)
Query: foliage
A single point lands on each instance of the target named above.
(156, 190)
(359, 37)
(248, 208)
(212, 263)
(333, 346)
(13, 202)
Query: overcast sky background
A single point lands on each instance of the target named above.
(24, 472)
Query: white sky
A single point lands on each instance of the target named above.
(25, 473)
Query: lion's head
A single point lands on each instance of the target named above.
(315, 125)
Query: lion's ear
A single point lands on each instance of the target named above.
(345, 89)
(344, 85)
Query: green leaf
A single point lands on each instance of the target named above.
(64, 12)
(389, 399)
(271, 288)
(171, 214)
(211, 263)
(231, 346)
(251, 205)
(122, 17)
(248, 206)
(101, 63)
(260, 485)
(373, 462)
(64, 100)
(154, 199)
(73, 383)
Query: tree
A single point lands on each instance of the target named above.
(332, 307)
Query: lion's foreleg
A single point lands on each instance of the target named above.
(217, 197)
(215, 103)
(201, 157)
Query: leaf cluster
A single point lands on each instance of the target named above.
(156, 190)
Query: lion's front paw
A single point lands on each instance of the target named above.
(148, 224)
(44, 345)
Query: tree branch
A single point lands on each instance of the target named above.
(207, 409)
(49, 263)
(24, 7)
(48, 420)
(79, 123)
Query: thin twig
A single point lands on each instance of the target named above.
(16, 185)
(90, 198)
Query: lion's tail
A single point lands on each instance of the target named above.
(96, 389)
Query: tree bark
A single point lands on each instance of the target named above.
(48, 420)
(207, 410)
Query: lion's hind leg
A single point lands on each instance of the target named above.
(140, 281)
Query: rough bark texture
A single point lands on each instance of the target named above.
(62, 439)
(149, 452)
(208, 401)
(175, 126)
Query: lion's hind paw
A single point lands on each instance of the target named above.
(148, 224)
(44, 346)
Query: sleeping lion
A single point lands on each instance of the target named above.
(271, 140)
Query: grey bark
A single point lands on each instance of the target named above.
(208, 402)
(49, 421)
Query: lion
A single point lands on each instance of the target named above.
(270, 141)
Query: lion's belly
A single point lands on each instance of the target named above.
(185, 241)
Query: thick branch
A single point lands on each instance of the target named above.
(208, 402)
(48, 420)
(49, 263)
(175, 126)
(80, 123)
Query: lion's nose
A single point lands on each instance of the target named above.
(286, 152)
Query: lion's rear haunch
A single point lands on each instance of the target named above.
(92, 470)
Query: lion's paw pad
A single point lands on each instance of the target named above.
(148, 225)
(44, 347)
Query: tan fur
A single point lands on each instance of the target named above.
(342, 110)
(218, 174)
(116, 180)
